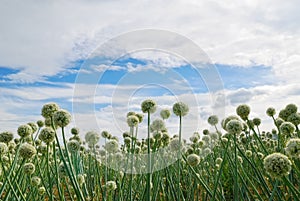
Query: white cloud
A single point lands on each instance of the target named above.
(20, 106)
(103, 68)
(42, 38)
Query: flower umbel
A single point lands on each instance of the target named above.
(49, 109)
(148, 106)
(234, 126)
(180, 109)
(47, 135)
(27, 151)
(292, 148)
(62, 118)
(193, 160)
(243, 111)
(6, 136)
(165, 113)
(277, 165)
(24, 130)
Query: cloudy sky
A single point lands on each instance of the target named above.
(66, 52)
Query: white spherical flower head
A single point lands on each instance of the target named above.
(213, 120)
(140, 117)
(3, 149)
(277, 165)
(166, 138)
(294, 118)
(175, 144)
(227, 119)
(256, 121)
(201, 143)
(292, 148)
(287, 128)
(48, 122)
(27, 151)
(234, 126)
(214, 135)
(81, 179)
(24, 130)
(148, 106)
(132, 121)
(49, 109)
(35, 181)
(130, 113)
(62, 118)
(92, 138)
(279, 121)
(291, 108)
(206, 151)
(206, 138)
(29, 168)
(127, 140)
(157, 125)
(193, 160)
(110, 186)
(219, 161)
(73, 146)
(243, 111)
(40, 123)
(248, 153)
(165, 113)
(62, 171)
(33, 126)
(194, 138)
(47, 135)
(180, 109)
(284, 114)
(271, 111)
(111, 146)
(74, 131)
(105, 134)
(6, 136)
(41, 190)
(157, 135)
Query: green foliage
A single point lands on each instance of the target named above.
(239, 162)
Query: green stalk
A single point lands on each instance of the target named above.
(48, 173)
(41, 175)
(9, 183)
(77, 188)
(12, 168)
(274, 190)
(256, 136)
(148, 186)
(179, 160)
(206, 187)
(235, 170)
(220, 171)
(60, 191)
(131, 164)
(15, 177)
(69, 170)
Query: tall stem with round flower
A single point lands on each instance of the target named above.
(235, 127)
(62, 118)
(148, 106)
(132, 122)
(180, 109)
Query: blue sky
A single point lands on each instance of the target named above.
(248, 77)
(42, 51)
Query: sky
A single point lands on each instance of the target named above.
(101, 59)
